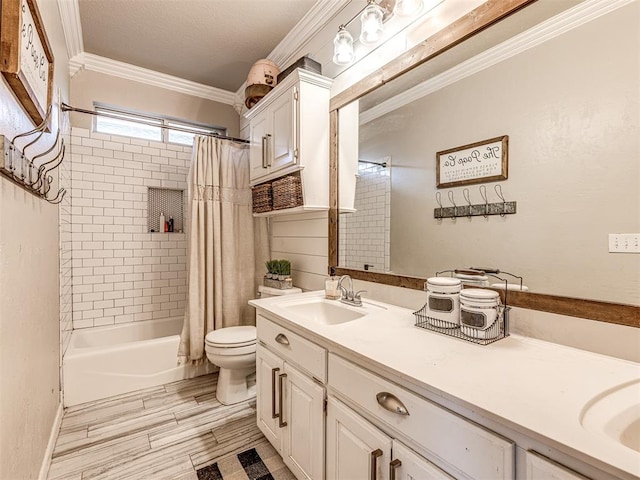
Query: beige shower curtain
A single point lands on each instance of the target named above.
(221, 250)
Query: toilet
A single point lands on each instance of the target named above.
(233, 349)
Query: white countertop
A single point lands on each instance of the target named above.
(535, 386)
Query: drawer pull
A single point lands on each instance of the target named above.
(393, 467)
(373, 473)
(274, 371)
(281, 378)
(282, 339)
(264, 152)
(390, 402)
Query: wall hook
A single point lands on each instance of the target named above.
(467, 196)
(483, 194)
(455, 207)
(439, 201)
(498, 189)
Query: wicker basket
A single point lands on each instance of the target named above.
(287, 192)
(262, 198)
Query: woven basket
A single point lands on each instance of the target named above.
(262, 198)
(287, 192)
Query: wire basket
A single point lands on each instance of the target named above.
(287, 192)
(262, 198)
(492, 334)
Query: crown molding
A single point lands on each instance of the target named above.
(71, 26)
(575, 17)
(127, 71)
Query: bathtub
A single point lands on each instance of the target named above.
(105, 361)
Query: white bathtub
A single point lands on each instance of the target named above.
(105, 361)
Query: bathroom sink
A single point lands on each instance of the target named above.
(615, 413)
(323, 311)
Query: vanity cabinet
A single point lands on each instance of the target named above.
(289, 133)
(539, 467)
(356, 449)
(290, 402)
(460, 446)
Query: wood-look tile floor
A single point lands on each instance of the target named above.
(164, 432)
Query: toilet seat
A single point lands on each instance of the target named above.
(232, 337)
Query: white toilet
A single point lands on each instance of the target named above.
(233, 349)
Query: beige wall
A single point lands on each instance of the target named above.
(88, 87)
(29, 310)
(571, 109)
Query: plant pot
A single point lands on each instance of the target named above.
(276, 283)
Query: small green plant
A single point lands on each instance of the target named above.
(278, 268)
(285, 267)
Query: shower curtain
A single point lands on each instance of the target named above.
(221, 250)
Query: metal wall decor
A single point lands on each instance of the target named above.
(470, 210)
(33, 174)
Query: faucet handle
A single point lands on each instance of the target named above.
(356, 296)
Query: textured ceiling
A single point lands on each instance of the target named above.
(213, 42)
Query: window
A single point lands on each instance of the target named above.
(149, 127)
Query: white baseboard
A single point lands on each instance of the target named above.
(53, 436)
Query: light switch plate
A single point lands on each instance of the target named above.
(624, 242)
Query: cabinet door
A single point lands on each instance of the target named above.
(283, 135)
(354, 446)
(303, 442)
(258, 149)
(541, 468)
(408, 465)
(268, 367)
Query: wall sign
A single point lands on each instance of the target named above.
(479, 162)
(26, 60)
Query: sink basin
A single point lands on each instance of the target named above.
(323, 311)
(615, 413)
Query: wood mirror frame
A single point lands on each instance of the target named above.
(465, 27)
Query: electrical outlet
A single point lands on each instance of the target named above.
(624, 242)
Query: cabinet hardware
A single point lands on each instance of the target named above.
(268, 149)
(282, 339)
(393, 468)
(373, 473)
(274, 371)
(295, 94)
(295, 154)
(281, 378)
(390, 402)
(264, 153)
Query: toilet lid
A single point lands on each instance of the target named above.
(232, 336)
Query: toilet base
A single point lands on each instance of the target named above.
(233, 386)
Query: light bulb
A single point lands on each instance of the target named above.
(343, 47)
(405, 8)
(371, 19)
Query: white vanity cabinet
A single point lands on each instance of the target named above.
(289, 132)
(356, 450)
(541, 468)
(461, 447)
(290, 402)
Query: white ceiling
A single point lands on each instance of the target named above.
(211, 42)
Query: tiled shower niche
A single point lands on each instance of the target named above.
(167, 201)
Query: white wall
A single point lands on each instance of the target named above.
(30, 327)
(122, 272)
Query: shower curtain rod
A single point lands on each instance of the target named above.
(68, 108)
(380, 164)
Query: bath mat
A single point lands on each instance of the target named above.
(249, 460)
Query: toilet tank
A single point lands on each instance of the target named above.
(266, 292)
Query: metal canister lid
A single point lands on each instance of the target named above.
(479, 296)
(443, 285)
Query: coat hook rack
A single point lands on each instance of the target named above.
(25, 172)
(469, 210)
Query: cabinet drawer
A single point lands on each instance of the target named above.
(541, 468)
(467, 448)
(293, 348)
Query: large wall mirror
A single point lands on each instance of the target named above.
(567, 97)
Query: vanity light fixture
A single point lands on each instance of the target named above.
(371, 20)
(343, 47)
(406, 8)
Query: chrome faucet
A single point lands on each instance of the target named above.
(347, 295)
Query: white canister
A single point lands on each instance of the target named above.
(479, 311)
(443, 301)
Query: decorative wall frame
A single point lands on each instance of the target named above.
(479, 162)
(26, 59)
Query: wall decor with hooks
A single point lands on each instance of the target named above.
(33, 173)
(470, 209)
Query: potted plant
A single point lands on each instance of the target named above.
(278, 274)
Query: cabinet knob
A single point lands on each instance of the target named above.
(282, 339)
(390, 402)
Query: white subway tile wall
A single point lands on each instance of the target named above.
(64, 218)
(365, 234)
(121, 272)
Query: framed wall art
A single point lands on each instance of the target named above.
(26, 59)
(485, 161)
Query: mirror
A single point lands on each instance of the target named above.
(570, 107)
